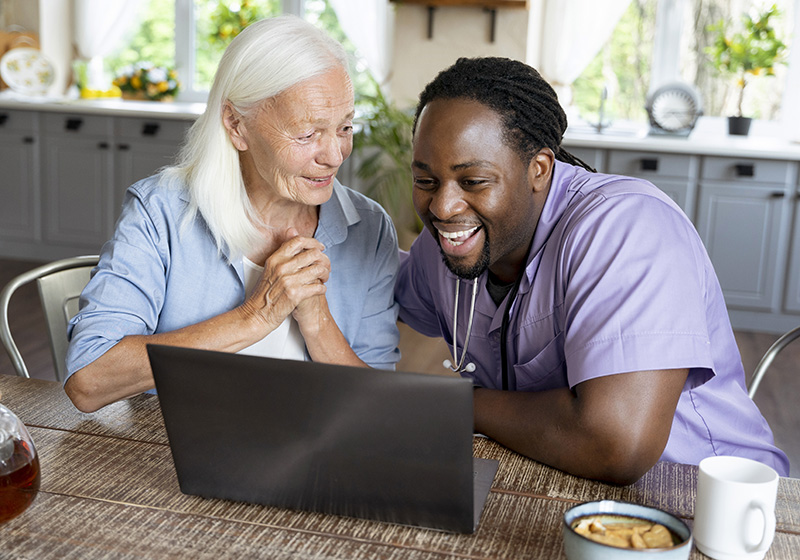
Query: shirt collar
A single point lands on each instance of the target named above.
(335, 216)
(562, 188)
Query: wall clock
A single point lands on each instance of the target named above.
(674, 109)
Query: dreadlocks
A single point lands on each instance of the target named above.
(531, 114)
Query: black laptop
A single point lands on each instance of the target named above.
(366, 443)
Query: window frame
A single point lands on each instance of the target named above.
(185, 45)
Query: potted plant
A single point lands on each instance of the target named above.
(752, 50)
(383, 147)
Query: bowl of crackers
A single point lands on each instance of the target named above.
(612, 530)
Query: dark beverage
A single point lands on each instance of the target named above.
(19, 477)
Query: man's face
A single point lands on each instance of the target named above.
(472, 191)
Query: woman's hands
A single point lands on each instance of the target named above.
(293, 283)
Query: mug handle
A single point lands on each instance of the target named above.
(769, 529)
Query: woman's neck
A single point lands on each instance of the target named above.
(276, 220)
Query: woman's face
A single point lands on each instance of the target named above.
(293, 144)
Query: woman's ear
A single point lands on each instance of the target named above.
(540, 170)
(234, 124)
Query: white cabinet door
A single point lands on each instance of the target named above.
(143, 146)
(19, 180)
(743, 219)
(77, 179)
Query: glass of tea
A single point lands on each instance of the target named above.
(19, 466)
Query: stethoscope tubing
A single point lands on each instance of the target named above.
(457, 365)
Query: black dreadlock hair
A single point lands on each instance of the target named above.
(527, 104)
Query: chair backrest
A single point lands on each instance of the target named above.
(60, 284)
(768, 357)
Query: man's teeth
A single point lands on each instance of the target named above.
(453, 236)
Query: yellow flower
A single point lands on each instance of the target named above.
(136, 82)
(162, 86)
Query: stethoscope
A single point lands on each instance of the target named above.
(457, 364)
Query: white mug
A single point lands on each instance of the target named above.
(734, 516)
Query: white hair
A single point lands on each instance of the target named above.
(265, 59)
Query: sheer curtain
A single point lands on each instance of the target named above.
(369, 25)
(101, 27)
(572, 33)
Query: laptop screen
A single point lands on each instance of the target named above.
(360, 442)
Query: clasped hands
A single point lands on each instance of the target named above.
(293, 282)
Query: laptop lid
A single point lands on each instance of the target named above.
(359, 442)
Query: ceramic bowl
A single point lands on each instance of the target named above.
(578, 547)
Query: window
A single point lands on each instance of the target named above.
(191, 35)
(631, 62)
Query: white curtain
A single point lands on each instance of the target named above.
(369, 25)
(102, 27)
(573, 32)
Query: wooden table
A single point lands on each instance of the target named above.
(109, 491)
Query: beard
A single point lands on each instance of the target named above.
(468, 272)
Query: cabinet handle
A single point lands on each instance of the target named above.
(649, 164)
(3, 118)
(745, 170)
(28, 140)
(73, 124)
(777, 194)
(102, 145)
(123, 147)
(150, 129)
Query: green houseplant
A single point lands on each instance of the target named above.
(383, 147)
(752, 50)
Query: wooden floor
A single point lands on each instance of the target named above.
(776, 397)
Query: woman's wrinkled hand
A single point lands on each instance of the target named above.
(292, 283)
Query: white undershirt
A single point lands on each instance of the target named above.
(285, 342)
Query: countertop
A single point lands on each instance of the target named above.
(710, 137)
(711, 141)
(111, 107)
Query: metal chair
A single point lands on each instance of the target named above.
(768, 357)
(60, 285)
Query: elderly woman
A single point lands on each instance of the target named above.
(249, 243)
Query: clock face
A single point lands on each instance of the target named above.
(674, 110)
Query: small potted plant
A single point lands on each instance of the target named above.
(752, 50)
(147, 82)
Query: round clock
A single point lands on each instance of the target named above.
(674, 109)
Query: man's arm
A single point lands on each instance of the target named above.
(612, 428)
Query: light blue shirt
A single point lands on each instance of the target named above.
(155, 275)
(617, 280)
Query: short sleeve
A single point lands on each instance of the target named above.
(635, 284)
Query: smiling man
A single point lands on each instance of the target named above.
(583, 306)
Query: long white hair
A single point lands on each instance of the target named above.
(265, 59)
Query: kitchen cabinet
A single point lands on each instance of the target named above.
(591, 156)
(76, 179)
(64, 175)
(142, 146)
(744, 220)
(19, 162)
(675, 174)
